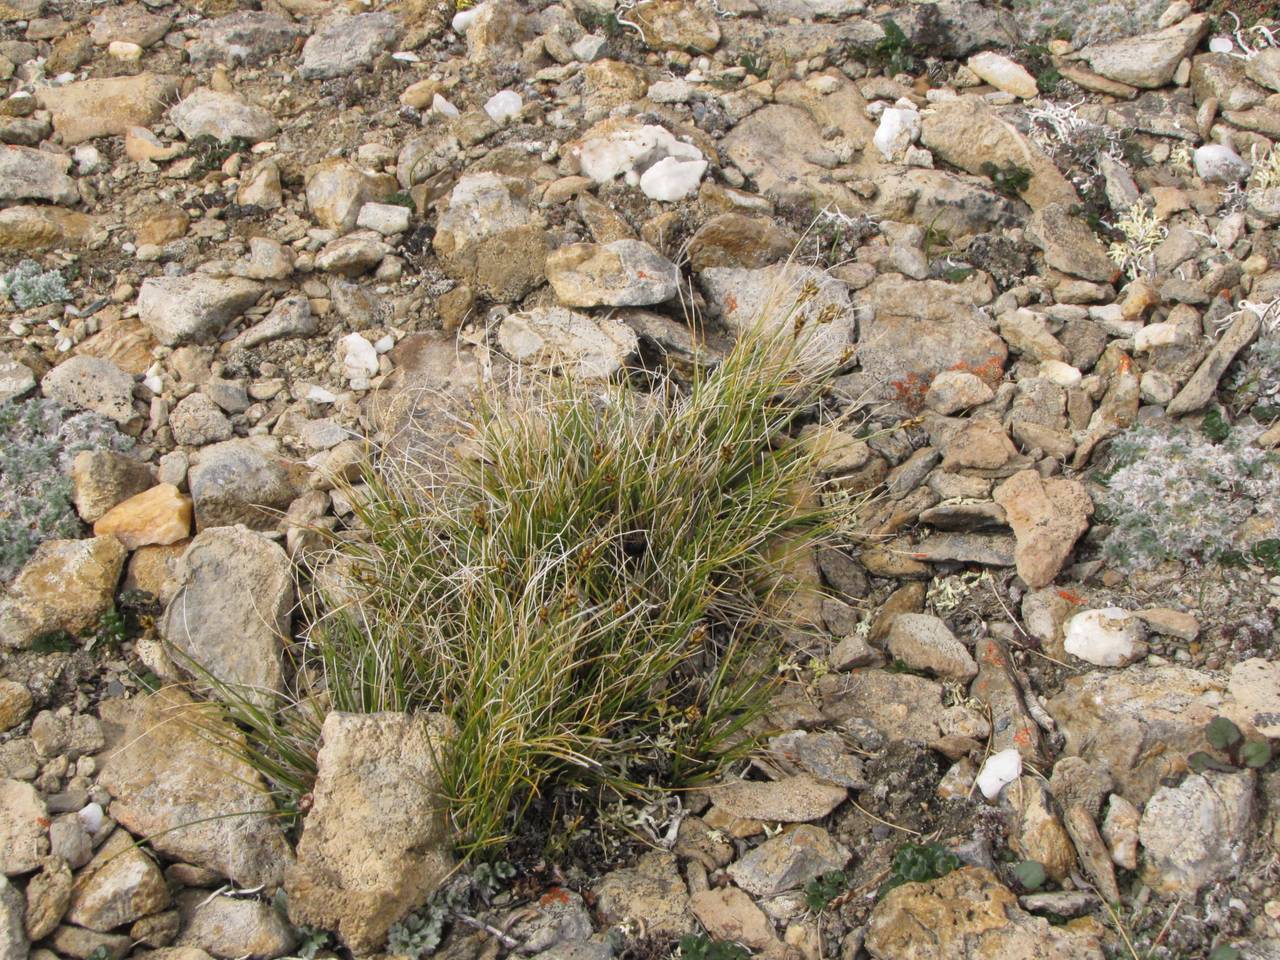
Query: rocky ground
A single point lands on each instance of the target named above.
(239, 239)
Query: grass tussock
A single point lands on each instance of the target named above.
(594, 595)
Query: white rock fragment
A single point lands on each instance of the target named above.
(387, 219)
(1218, 163)
(1063, 374)
(1107, 637)
(1000, 770)
(899, 128)
(443, 107)
(630, 149)
(503, 105)
(464, 18)
(358, 357)
(1221, 45)
(670, 179)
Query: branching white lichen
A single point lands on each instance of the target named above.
(1142, 232)
(1268, 313)
(1058, 130)
(1181, 159)
(1266, 169)
(1251, 41)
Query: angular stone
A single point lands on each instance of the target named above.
(23, 828)
(246, 36)
(1140, 724)
(28, 174)
(224, 926)
(32, 228)
(651, 891)
(791, 800)
(624, 273)
(345, 44)
(106, 108)
(967, 134)
(231, 614)
(1204, 382)
(1012, 725)
(91, 383)
(1069, 245)
(788, 861)
(161, 515)
(1254, 690)
(336, 189)
(195, 307)
(924, 642)
(13, 939)
(729, 914)
(1038, 833)
(1004, 74)
(969, 913)
(488, 236)
(1197, 833)
(900, 705)
(1148, 60)
(119, 885)
(739, 240)
(102, 478)
(555, 337)
(241, 481)
(196, 801)
(672, 25)
(48, 895)
(1047, 517)
(208, 113)
(375, 842)
(65, 586)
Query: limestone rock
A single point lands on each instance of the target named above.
(375, 842)
(232, 610)
(1004, 74)
(241, 481)
(1150, 59)
(195, 307)
(208, 113)
(1047, 517)
(924, 642)
(160, 515)
(28, 174)
(23, 829)
(1069, 245)
(66, 585)
(1200, 388)
(48, 895)
(195, 801)
(13, 939)
(246, 36)
(1038, 833)
(102, 478)
(739, 240)
(729, 914)
(91, 383)
(1197, 833)
(342, 44)
(336, 190)
(555, 337)
(788, 861)
(233, 927)
(197, 421)
(900, 705)
(968, 913)
(33, 228)
(791, 800)
(119, 885)
(651, 891)
(15, 704)
(488, 236)
(967, 134)
(88, 109)
(624, 273)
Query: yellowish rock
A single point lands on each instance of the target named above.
(161, 515)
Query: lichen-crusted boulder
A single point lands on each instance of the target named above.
(242, 481)
(488, 236)
(651, 892)
(176, 779)
(967, 134)
(1140, 723)
(91, 383)
(231, 614)
(375, 843)
(969, 913)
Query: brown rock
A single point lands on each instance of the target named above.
(1047, 517)
(33, 229)
(729, 914)
(791, 800)
(119, 885)
(1038, 834)
(738, 240)
(161, 515)
(66, 585)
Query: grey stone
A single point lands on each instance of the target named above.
(556, 337)
(13, 939)
(92, 383)
(924, 642)
(27, 174)
(1069, 245)
(900, 705)
(1150, 59)
(1200, 388)
(246, 36)
(241, 481)
(788, 861)
(197, 421)
(233, 927)
(193, 308)
(119, 885)
(231, 613)
(624, 273)
(793, 799)
(208, 113)
(1197, 833)
(290, 317)
(345, 44)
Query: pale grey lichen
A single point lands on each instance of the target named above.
(1087, 21)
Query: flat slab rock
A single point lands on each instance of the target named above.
(900, 705)
(795, 799)
(788, 861)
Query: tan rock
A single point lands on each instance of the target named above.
(24, 826)
(119, 885)
(1047, 517)
(101, 479)
(66, 585)
(1038, 833)
(104, 108)
(375, 842)
(651, 891)
(15, 704)
(1120, 831)
(154, 569)
(161, 515)
(729, 914)
(790, 800)
(141, 144)
(160, 224)
(48, 894)
(32, 228)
